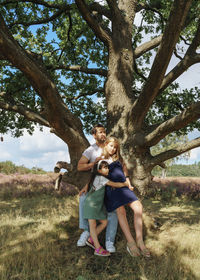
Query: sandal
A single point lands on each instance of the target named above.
(132, 249)
(145, 252)
(90, 242)
(101, 252)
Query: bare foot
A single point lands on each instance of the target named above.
(133, 249)
(143, 249)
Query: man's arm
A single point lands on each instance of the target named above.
(84, 164)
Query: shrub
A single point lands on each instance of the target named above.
(8, 167)
(175, 187)
(179, 170)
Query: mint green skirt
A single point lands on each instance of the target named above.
(94, 207)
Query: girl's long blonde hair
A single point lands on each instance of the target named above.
(116, 155)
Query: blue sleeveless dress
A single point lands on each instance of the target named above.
(116, 197)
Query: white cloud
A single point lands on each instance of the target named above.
(8, 148)
(42, 149)
(195, 154)
(46, 160)
(4, 155)
(40, 141)
(190, 78)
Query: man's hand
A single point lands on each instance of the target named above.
(97, 159)
(84, 190)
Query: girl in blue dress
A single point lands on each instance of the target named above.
(116, 198)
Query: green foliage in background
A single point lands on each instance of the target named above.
(179, 170)
(8, 167)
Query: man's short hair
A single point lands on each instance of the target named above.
(94, 129)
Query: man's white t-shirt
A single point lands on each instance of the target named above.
(92, 152)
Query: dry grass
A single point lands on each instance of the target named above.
(38, 235)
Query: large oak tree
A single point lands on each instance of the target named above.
(69, 64)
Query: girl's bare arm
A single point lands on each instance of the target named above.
(117, 184)
(127, 177)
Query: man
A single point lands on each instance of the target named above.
(89, 157)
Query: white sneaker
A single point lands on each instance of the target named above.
(83, 238)
(110, 247)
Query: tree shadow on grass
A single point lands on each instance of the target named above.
(177, 211)
(53, 254)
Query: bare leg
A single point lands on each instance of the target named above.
(101, 226)
(136, 206)
(95, 230)
(121, 213)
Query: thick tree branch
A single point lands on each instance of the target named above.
(101, 10)
(62, 165)
(27, 113)
(113, 5)
(147, 46)
(125, 15)
(161, 61)
(100, 90)
(190, 114)
(190, 58)
(78, 68)
(92, 22)
(176, 151)
(179, 69)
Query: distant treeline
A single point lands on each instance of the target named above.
(179, 170)
(8, 167)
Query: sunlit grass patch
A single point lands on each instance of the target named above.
(31, 235)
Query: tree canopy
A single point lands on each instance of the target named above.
(70, 64)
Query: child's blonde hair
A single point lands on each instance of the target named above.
(116, 155)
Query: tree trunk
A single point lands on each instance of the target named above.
(119, 96)
(77, 143)
(137, 160)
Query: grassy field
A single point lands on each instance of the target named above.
(39, 231)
